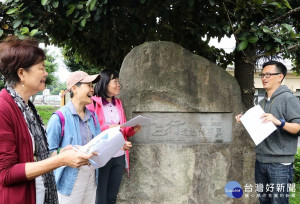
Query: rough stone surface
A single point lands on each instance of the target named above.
(163, 77)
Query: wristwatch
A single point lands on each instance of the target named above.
(282, 123)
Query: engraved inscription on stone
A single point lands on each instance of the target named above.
(185, 128)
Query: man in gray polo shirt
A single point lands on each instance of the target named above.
(276, 154)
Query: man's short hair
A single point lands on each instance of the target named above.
(279, 66)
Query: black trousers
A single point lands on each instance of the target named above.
(109, 180)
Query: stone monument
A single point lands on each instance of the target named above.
(193, 146)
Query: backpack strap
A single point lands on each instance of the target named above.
(93, 115)
(62, 123)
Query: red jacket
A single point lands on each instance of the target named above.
(98, 108)
(15, 150)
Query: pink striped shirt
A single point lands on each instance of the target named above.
(112, 117)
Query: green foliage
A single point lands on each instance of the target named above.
(1, 82)
(46, 112)
(51, 68)
(242, 45)
(297, 167)
(74, 65)
(56, 87)
(296, 62)
(295, 198)
(100, 33)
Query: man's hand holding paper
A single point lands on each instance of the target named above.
(266, 117)
(258, 124)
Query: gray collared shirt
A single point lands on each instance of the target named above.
(85, 132)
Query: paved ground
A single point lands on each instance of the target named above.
(298, 141)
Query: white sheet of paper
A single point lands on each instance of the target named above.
(138, 120)
(106, 145)
(254, 125)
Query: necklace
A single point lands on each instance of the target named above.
(269, 106)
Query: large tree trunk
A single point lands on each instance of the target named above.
(244, 74)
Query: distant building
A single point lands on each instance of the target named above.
(46, 92)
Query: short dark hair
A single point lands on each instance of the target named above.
(279, 67)
(101, 86)
(15, 54)
(78, 84)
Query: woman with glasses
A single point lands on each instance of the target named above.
(110, 112)
(275, 155)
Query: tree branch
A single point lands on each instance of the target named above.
(236, 39)
(280, 18)
(227, 13)
(291, 48)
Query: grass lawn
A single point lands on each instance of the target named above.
(46, 112)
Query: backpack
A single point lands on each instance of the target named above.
(62, 122)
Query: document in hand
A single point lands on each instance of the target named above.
(138, 120)
(106, 144)
(254, 125)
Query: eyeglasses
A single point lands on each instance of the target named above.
(268, 75)
(115, 82)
